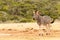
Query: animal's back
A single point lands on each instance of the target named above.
(47, 19)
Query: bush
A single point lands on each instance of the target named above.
(26, 20)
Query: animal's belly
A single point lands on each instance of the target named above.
(42, 27)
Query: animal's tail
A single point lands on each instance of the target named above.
(53, 21)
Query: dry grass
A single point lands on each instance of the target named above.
(27, 31)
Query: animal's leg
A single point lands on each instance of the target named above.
(41, 30)
(48, 29)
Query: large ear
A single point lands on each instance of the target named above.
(37, 12)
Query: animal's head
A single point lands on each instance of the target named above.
(35, 15)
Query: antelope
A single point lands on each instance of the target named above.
(42, 21)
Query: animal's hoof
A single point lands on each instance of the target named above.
(47, 33)
(40, 34)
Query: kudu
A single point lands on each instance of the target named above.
(42, 20)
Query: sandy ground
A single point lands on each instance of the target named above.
(27, 31)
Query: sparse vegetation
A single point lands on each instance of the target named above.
(21, 10)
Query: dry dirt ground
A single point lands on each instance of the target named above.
(27, 31)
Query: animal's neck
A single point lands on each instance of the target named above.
(39, 18)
